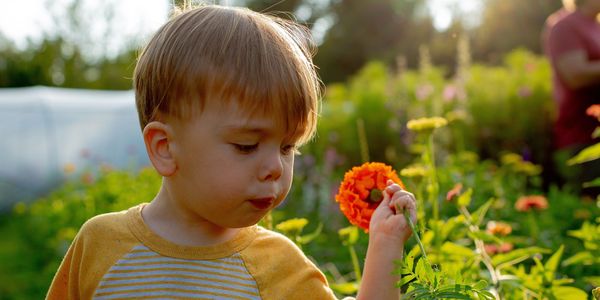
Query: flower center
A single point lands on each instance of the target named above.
(375, 196)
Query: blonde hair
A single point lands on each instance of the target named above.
(230, 54)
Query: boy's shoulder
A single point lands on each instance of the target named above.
(272, 249)
(108, 224)
(271, 240)
(282, 270)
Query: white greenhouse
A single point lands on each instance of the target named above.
(45, 130)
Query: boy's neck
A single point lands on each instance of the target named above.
(165, 220)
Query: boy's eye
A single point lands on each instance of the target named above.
(245, 148)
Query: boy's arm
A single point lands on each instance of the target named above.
(388, 232)
(65, 282)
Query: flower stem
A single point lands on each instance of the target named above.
(415, 232)
(355, 263)
(533, 227)
(362, 140)
(433, 187)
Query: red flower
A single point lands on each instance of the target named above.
(455, 191)
(526, 203)
(594, 111)
(360, 191)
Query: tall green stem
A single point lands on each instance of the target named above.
(362, 140)
(415, 232)
(433, 186)
(355, 263)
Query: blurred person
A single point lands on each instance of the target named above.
(224, 97)
(573, 47)
(567, 8)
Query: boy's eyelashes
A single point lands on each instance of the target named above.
(249, 148)
(245, 148)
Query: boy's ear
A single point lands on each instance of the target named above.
(156, 137)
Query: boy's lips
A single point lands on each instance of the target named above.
(262, 203)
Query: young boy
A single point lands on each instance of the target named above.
(225, 96)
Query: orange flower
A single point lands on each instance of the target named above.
(360, 191)
(594, 111)
(536, 202)
(454, 192)
(498, 228)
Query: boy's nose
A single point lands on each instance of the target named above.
(272, 167)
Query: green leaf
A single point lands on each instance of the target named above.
(516, 256)
(451, 295)
(348, 288)
(593, 183)
(455, 249)
(596, 133)
(552, 263)
(567, 292)
(480, 285)
(584, 257)
(484, 236)
(480, 213)
(348, 235)
(593, 280)
(588, 154)
(485, 294)
(465, 198)
(307, 238)
(409, 261)
(406, 279)
(562, 281)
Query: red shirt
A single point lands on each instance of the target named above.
(575, 31)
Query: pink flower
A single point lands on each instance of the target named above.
(594, 111)
(455, 191)
(492, 249)
(450, 93)
(424, 91)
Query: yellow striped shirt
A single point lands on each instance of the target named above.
(116, 256)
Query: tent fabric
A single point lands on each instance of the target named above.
(45, 129)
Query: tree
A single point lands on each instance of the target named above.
(365, 30)
(509, 24)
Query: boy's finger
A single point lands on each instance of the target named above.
(393, 188)
(404, 200)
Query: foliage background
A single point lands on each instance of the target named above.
(384, 63)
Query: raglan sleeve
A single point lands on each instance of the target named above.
(282, 271)
(65, 284)
(100, 242)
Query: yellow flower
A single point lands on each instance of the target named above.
(528, 168)
(291, 225)
(348, 235)
(511, 159)
(413, 171)
(596, 293)
(69, 168)
(426, 124)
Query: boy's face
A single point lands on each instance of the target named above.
(232, 167)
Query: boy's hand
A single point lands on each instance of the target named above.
(388, 220)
